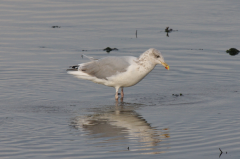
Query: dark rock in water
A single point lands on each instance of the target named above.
(232, 51)
(108, 49)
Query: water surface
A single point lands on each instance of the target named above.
(46, 113)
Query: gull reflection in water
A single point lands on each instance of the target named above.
(123, 124)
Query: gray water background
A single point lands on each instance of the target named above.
(46, 113)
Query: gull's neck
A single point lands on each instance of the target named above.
(145, 61)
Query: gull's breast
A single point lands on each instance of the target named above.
(132, 76)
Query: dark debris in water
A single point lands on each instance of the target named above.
(232, 51)
(108, 49)
(55, 26)
(176, 95)
(169, 30)
(221, 152)
(196, 49)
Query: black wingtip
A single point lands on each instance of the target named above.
(73, 68)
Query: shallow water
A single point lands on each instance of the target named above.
(46, 113)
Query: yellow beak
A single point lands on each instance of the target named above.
(165, 65)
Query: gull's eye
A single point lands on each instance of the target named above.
(157, 56)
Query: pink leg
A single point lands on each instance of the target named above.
(122, 94)
(116, 95)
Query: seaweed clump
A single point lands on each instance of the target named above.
(232, 51)
(169, 30)
(56, 26)
(176, 95)
(108, 49)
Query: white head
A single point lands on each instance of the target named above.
(155, 57)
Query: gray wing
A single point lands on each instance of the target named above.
(105, 67)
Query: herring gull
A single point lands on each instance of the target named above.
(119, 72)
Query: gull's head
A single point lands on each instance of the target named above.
(157, 57)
